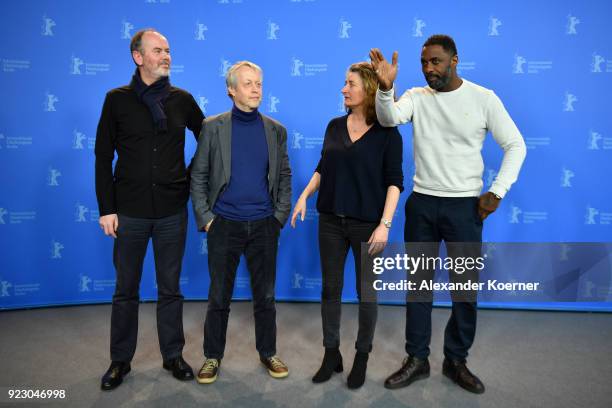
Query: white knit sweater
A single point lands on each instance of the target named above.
(449, 129)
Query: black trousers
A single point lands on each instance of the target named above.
(431, 219)
(130, 247)
(336, 236)
(227, 241)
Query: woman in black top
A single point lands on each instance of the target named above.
(359, 178)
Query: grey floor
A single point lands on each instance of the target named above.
(525, 359)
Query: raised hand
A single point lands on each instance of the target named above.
(386, 72)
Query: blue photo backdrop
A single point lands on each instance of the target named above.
(549, 61)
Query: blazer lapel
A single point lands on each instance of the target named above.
(225, 141)
(271, 138)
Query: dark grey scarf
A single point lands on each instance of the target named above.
(153, 96)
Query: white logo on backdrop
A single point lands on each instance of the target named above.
(296, 282)
(519, 61)
(417, 27)
(491, 174)
(4, 287)
(84, 282)
(494, 24)
(272, 102)
(203, 250)
(597, 61)
(75, 65)
(225, 65)
(589, 217)
(272, 30)
(199, 32)
(344, 27)
(514, 214)
(572, 22)
(296, 66)
(47, 27)
(594, 138)
(79, 215)
(297, 140)
(126, 30)
(50, 101)
(77, 141)
(568, 104)
(566, 177)
(56, 249)
(52, 177)
(202, 102)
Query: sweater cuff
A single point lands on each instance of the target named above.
(499, 190)
(386, 94)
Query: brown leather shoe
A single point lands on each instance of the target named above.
(276, 368)
(208, 372)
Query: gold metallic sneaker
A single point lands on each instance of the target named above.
(276, 368)
(208, 372)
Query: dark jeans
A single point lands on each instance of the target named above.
(227, 241)
(336, 236)
(133, 236)
(431, 219)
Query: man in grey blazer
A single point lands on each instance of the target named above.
(241, 194)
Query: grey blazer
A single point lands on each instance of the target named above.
(212, 164)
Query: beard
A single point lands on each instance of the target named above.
(162, 71)
(439, 82)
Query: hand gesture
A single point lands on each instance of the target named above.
(300, 208)
(386, 72)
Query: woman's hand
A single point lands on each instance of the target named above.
(378, 240)
(300, 208)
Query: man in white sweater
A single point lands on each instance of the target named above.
(451, 118)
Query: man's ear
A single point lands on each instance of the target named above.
(455, 60)
(231, 92)
(137, 57)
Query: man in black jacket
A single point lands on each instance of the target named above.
(146, 198)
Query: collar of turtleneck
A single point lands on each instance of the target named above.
(244, 116)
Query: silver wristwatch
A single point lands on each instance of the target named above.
(386, 223)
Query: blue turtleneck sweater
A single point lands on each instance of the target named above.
(246, 197)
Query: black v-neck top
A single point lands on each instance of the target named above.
(355, 175)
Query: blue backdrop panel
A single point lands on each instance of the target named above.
(549, 61)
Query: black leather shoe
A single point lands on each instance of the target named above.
(114, 375)
(180, 369)
(413, 369)
(459, 373)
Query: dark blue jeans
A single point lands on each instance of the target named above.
(430, 220)
(336, 236)
(130, 247)
(227, 241)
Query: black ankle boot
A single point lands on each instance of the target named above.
(357, 376)
(332, 361)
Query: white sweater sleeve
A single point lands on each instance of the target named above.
(507, 135)
(390, 113)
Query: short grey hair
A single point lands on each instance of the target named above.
(230, 77)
